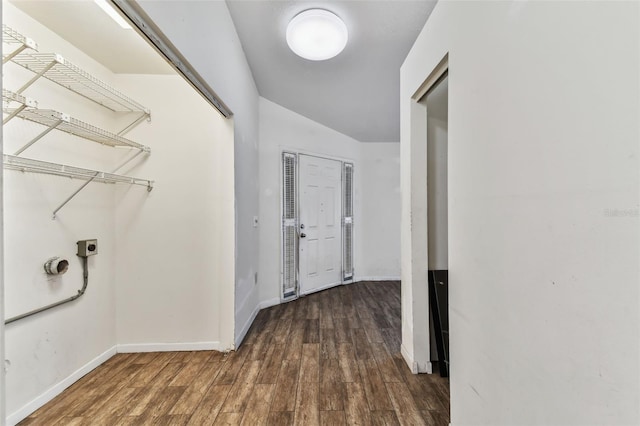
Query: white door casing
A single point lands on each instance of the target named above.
(320, 232)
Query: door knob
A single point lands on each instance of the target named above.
(303, 235)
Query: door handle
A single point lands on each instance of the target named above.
(303, 235)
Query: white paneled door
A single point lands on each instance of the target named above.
(320, 223)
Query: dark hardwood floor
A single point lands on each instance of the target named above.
(330, 358)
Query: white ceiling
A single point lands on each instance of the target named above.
(86, 26)
(356, 93)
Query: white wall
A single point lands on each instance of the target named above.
(377, 255)
(2, 352)
(376, 196)
(543, 208)
(205, 35)
(47, 348)
(174, 274)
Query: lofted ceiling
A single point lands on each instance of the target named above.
(87, 27)
(357, 92)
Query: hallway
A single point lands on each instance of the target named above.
(330, 358)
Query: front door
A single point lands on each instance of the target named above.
(320, 223)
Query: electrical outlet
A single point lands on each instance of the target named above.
(87, 248)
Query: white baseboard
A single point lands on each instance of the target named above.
(245, 328)
(247, 325)
(414, 366)
(56, 389)
(357, 279)
(168, 347)
(269, 303)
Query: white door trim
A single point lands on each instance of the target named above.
(415, 332)
(291, 150)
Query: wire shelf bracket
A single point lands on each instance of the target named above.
(24, 102)
(12, 162)
(52, 119)
(13, 38)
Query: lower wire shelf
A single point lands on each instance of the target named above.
(22, 164)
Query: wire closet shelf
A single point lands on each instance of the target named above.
(37, 166)
(56, 68)
(63, 122)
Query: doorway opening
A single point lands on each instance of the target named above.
(317, 223)
(436, 101)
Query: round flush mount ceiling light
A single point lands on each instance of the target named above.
(317, 34)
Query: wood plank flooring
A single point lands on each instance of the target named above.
(330, 358)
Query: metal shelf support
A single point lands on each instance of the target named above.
(13, 114)
(8, 97)
(41, 135)
(11, 36)
(10, 56)
(64, 203)
(36, 77)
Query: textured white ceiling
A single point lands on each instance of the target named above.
(86, 26)
(357, 92)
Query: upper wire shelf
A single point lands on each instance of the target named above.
(56, 68)
(12, 37)
(36, 166)
(57, 120)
